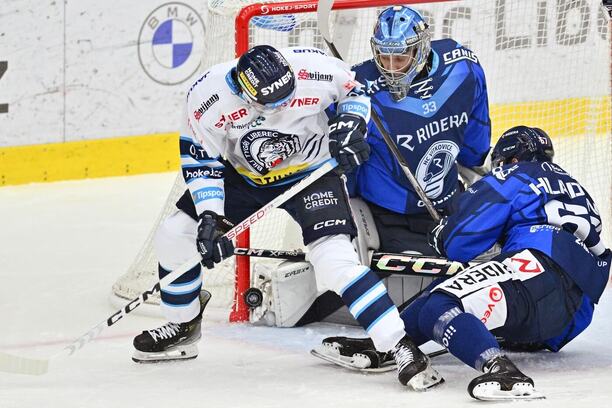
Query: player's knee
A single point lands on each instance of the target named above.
(334, 260)
(174, 240)
(437, 312)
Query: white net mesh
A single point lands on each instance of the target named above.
(547, 64)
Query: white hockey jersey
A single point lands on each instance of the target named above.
(265, 148)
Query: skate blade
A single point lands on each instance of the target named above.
(185, 352)
(355, 363)
(491, 391)
(426, 379)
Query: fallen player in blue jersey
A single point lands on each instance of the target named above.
(540, 290)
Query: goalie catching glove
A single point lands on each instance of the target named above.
(212, 245)
(347, 142)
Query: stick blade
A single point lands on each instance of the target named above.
(22, 365)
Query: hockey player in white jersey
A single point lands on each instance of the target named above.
(253, 127)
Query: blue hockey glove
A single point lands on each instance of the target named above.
(347, 142)
(212, 245)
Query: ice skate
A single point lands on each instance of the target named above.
(354, 354)
(413, 366)
(172, 341)
(502, 381)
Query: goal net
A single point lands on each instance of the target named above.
(547, 64)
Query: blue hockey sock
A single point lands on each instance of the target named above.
(368, 301)
(443, 320)
(180, 300)
(410, 316)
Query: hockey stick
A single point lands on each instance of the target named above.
(32, 366)
(393, 263)
(294, 255)
(323, 11)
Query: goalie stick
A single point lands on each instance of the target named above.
(324, 8)
(34, 366)
(385, 262)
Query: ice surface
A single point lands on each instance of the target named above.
(62, 245)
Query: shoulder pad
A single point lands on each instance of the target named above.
(451, 51)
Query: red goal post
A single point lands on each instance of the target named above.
(277, 8)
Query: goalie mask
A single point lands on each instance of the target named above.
(401, 44)
(265, 78)
(524, 144)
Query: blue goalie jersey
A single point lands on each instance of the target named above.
(530, 205)
(444, 118)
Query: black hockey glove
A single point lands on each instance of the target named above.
(434, 237)
(347, 142)
(212, 245)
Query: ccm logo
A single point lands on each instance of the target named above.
(341, 125)
(328, 223)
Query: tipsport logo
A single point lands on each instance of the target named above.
(171, 43)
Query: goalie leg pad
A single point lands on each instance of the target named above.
(367, 235)
(288, 291)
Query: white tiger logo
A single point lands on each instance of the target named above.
(273, 151)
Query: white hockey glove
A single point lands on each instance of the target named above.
(212, 245)
(347, 142)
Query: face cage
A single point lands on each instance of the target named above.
(398, 81)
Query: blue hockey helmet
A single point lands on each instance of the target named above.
(522, 143)
(265, 77)
(401, 44)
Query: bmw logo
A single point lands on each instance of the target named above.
(171, 43)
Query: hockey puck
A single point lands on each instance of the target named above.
(253, 297)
